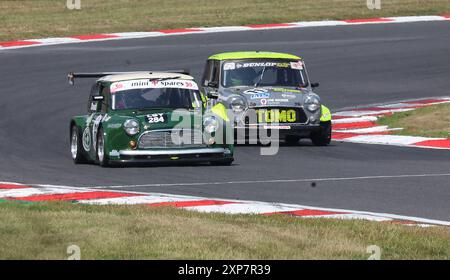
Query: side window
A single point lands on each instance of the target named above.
(207, 73)
(105, 103)
(215, 72)
(93, 106)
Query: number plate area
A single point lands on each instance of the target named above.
(275, 115)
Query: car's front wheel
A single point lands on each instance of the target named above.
(76, 146)
(323, 136)
(102, 157)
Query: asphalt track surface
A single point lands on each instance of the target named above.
(355, 65)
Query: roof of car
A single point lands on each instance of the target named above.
(252, 54)
(144, 75)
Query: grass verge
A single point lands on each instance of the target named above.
(45, 230)
(430, 121)
(27, 19)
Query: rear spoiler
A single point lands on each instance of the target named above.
(71, 76)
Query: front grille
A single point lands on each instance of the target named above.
(253, 116)
(183, 138)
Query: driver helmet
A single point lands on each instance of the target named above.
(243, 77)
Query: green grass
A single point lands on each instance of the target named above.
(27, 19)
(45, 230)
(430, 121)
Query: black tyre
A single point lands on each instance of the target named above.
(76, 146)
(102, 156)
(291, 139)
(323, 136)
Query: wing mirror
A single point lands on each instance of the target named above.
(315, 85)
(212, 84)
(213, 94)
(211, 90)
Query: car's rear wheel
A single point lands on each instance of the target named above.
(323, 136)
(76, 146)
(102, 157)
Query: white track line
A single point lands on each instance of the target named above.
(274, 181)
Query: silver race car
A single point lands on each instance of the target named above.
(267, 91)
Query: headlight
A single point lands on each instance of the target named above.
(131, 127)
(313, 107)
(238, 104)
(210, 124)
(312, 103)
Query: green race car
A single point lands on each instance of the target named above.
(146, 117)
(267, 92)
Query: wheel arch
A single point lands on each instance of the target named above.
(326, 114)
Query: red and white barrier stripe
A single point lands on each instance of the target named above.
(170, 32)
(39, 193)
(359, 125)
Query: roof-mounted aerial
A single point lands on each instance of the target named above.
(72, 75)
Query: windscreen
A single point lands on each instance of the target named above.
(148, 94)
(264, 73)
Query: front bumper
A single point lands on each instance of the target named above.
(171, 155)
(272, 130)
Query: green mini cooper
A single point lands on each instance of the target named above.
(148, 116)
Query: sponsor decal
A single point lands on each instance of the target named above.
(189, 84)
(229, 66)
(106, 118)
(255, 91)
(87, 139)
(288, 96)
(282, 65)
(116, 87)
(263, 101)
(156, 118)
(262, 64)
(276, 127)
(260, 95)
(146, 83)
(286, 90)
(297, 65)
(89, 119)
(278, 100)
(276, 116)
